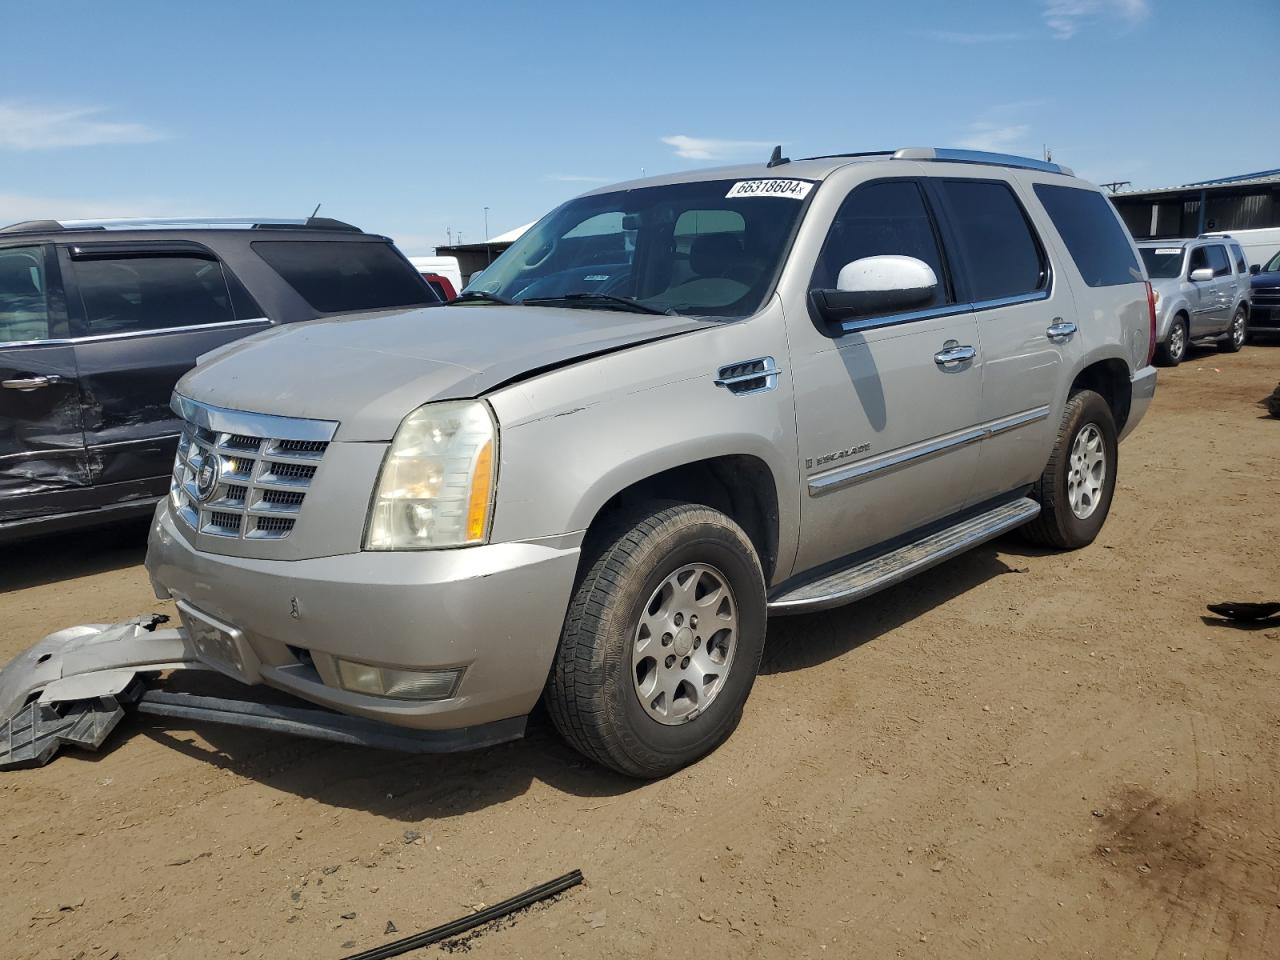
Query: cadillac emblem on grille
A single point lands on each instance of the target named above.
(207, 479)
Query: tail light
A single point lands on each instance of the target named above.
(1151, 311)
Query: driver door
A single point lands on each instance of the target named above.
(886, 423)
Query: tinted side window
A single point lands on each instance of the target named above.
(1242, 265)
(24, 306)
(129, 294)
(345, 276)
(881, 218)
(1002, 256)
(1218, 260)
(1093, 234)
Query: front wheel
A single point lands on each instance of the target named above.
(1237, 334)
(1079, 480)
(662, 641)
(1174, 349)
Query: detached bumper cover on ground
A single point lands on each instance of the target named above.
(74, 687)
(71, 686)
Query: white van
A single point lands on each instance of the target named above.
(446, 267)
(1260, 245)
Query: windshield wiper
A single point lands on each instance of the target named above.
(635, 306)
(480, 296)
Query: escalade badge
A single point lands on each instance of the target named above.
(208, 477)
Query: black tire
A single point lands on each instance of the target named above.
(591, 693)
(1058, 525)
(1235, 339)
(1174, 349)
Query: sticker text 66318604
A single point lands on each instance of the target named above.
(793, 189)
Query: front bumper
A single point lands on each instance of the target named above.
(494, 610)
(1265, 316)
(1142, 387)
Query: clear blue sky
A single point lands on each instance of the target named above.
(409, 118)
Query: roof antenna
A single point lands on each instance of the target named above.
(315, 211)
(777, 159)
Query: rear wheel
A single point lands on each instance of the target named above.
(1174, 349)
(662, 641)
(1079, 480)
(1237, 333)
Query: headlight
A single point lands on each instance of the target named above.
(436, 484)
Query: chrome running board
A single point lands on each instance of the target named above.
(869, 576)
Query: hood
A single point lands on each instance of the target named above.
(1271, 279)
(369, 371)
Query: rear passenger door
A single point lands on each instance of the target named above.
(42, 459)
(1025, 324)
(141, 313)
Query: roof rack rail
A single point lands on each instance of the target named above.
(184, 223)
(954, 155)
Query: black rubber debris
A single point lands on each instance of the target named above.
(462, 925)
(1246, 612)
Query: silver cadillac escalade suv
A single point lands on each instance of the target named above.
(674, 408)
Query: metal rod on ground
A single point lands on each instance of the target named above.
(455, 927)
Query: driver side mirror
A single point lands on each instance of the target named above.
(1255, 268)
(1203, 275)
(877, 286)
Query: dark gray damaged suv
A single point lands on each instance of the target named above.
(98, 320)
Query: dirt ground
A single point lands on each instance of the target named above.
(1019, 754)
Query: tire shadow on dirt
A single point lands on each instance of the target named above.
(808, 640)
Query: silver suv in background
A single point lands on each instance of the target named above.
(1202, 291)
(673, 408)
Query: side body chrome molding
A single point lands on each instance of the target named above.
(896, 459)
(131, 334)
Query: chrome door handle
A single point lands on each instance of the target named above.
(953, 353)
(1060, 330)
(31, 383)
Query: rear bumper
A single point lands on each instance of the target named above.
(496, 611)
(1142, 389)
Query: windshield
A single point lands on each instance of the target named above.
(1272, 265)
(1163, 263)
(710, 248)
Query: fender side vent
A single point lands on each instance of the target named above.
(749, 376)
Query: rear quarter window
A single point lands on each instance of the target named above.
(1092, 231)
(345, 276)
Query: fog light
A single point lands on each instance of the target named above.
(401, 684)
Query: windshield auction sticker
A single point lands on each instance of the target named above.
(795, 189)
(1167, 251)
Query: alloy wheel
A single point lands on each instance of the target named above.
(1087, 471)
(684, 644)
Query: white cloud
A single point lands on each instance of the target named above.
(709, 148)
(969, 39)
(28, 126)
(997, 137)
(1066, 17)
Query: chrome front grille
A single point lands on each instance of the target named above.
(258, 479)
